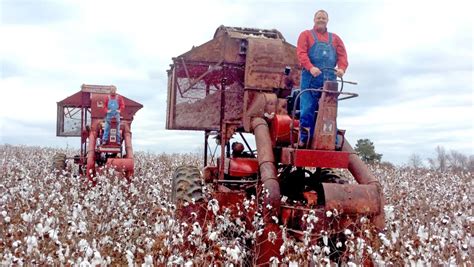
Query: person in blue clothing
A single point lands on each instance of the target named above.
(317, 49)
(113, 105)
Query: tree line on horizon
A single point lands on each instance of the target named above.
(442, 160)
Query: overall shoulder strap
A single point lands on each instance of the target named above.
(315, 36)
(330, 38)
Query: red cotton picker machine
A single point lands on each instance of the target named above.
(82, 115)
(242, 81)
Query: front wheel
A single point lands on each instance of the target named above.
(59, 161)
(186, 185)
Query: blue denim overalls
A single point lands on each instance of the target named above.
(113, 106)
(322, 55)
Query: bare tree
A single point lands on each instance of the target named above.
(415, 161)
(458, 161)
(455, 160)
(470, 164)
(440, 162)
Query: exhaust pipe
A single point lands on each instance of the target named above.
(363, 176)
(268, 173)
(128, 141)
(94, 132)
(266, 162)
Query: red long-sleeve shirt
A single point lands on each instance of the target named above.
(120, 101)
(306, 40)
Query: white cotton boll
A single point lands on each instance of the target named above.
(282, 249)
(39, 229)
(272, 236)
(312, 218)
(32, 243)
(159, 227)
(16, 243)
(89, 252)
(4, 213)
(7, 219)
(85, 263)
(389, 212)
(328, 213)
(49, 222)
(148, 261)
(77, 208)
(213, 236)
(83, 227)
(275, 219)
(232, 253)
(97, 260)
(27, 217)
(327, 250)
(213, 205)
(384, 239)
(171, 222)
(83, 245)
(246, 204)
(196, 229)
(325, 240)
(60, 255)
(339, 244)
(128, 223)
(422, 233)
(4, 199)
(293, 264)
(53, 234)
(274, 261)
(129, 255)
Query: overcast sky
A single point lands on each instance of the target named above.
(413, 61)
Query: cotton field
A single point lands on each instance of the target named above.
(55, 218)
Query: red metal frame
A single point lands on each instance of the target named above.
(314, 158)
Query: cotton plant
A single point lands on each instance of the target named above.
(56, 218)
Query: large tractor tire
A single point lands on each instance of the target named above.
(59, 161)
(186, 185)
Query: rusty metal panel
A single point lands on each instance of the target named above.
(324, 137)
(258, 104)
(170, 101)
(265, 64)
(353, 198)
(246, 58)
(219, 49)
(100, 89)
(195, 95)
(314, 158)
